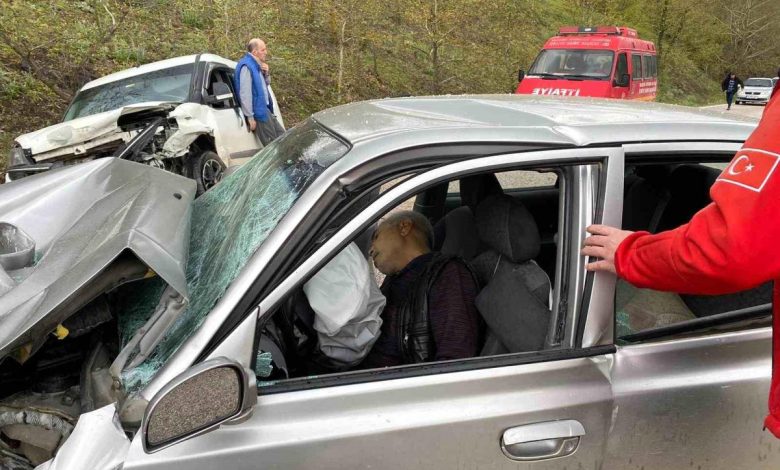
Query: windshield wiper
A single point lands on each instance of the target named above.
(577, 76)
(547, 76)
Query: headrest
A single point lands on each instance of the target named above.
(699, 176)
(506, 226)
(474, 189)
(654, 173)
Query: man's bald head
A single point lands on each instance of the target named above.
(421, 228)
(257, 48)
(399, 238)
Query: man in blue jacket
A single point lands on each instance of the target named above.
(251, 81)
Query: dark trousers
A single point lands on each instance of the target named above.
(729, 97)
(269, 130)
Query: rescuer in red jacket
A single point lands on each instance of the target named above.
(731, 245)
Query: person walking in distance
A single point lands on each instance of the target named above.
(731, 84)
(252, 81)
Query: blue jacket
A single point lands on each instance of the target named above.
(260, 96)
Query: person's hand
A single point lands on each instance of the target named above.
(603, 243)
(252, 124)
(264, 66)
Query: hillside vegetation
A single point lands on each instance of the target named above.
(328, 52)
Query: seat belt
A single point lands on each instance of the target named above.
(663, 201)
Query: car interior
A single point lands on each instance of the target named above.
(507, 234)
(658, 197)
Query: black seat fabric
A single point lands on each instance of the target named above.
(475, 189)
(646, 198)
(689, 186)
(456, 232)
(515, 295)
(460, 236)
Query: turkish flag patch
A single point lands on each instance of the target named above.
(750, 169)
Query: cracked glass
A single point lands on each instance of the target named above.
(228, 225)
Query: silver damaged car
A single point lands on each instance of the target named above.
(145, 329)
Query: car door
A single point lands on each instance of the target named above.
(636, 75)
(234, 141)
(693, 395)
(501, 412)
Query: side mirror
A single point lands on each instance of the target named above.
(222, 94)
(623, 80)
(520, 75)
(198, 401)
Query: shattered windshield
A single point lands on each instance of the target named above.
(171, 84)
(228, 224)
(578, 63)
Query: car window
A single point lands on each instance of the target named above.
(659, 198)
(759, 82)
(596, 64)
(314, 339)
(514, 180)
(636, 66)
(221, 76)
(646, 67)
(622, 65)
(229, 223)
(170, 84)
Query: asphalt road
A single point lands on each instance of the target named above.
(752, 110)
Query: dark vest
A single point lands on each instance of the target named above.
(415, 335)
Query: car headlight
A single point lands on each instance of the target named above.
(18, 157)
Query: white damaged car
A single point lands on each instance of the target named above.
(186, 106)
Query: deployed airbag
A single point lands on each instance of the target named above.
(347, 304)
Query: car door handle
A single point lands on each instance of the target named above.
(542, 441)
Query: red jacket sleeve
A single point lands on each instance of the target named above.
(730, 245)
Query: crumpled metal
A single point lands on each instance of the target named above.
(97, 443)
(81, 219)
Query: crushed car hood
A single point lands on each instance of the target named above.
(79, 132)
(83, 219)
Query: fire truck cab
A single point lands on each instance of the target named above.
(603, 61)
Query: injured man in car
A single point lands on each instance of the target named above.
(430, 313)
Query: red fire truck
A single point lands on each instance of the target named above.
(605, 62)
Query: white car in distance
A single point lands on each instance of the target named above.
(186, 105)
(756, 90)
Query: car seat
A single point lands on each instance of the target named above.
(689, 186)
(689, 189)
(514, 300)
(456, 232)
(663, 197)
(646, 198)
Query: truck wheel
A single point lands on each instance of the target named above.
(207, 169)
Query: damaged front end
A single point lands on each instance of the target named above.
(86, 255)
(169, 130)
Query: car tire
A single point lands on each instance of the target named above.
(206, 168)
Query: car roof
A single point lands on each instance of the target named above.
(525, 118)
(159, 65)
(760, 78)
